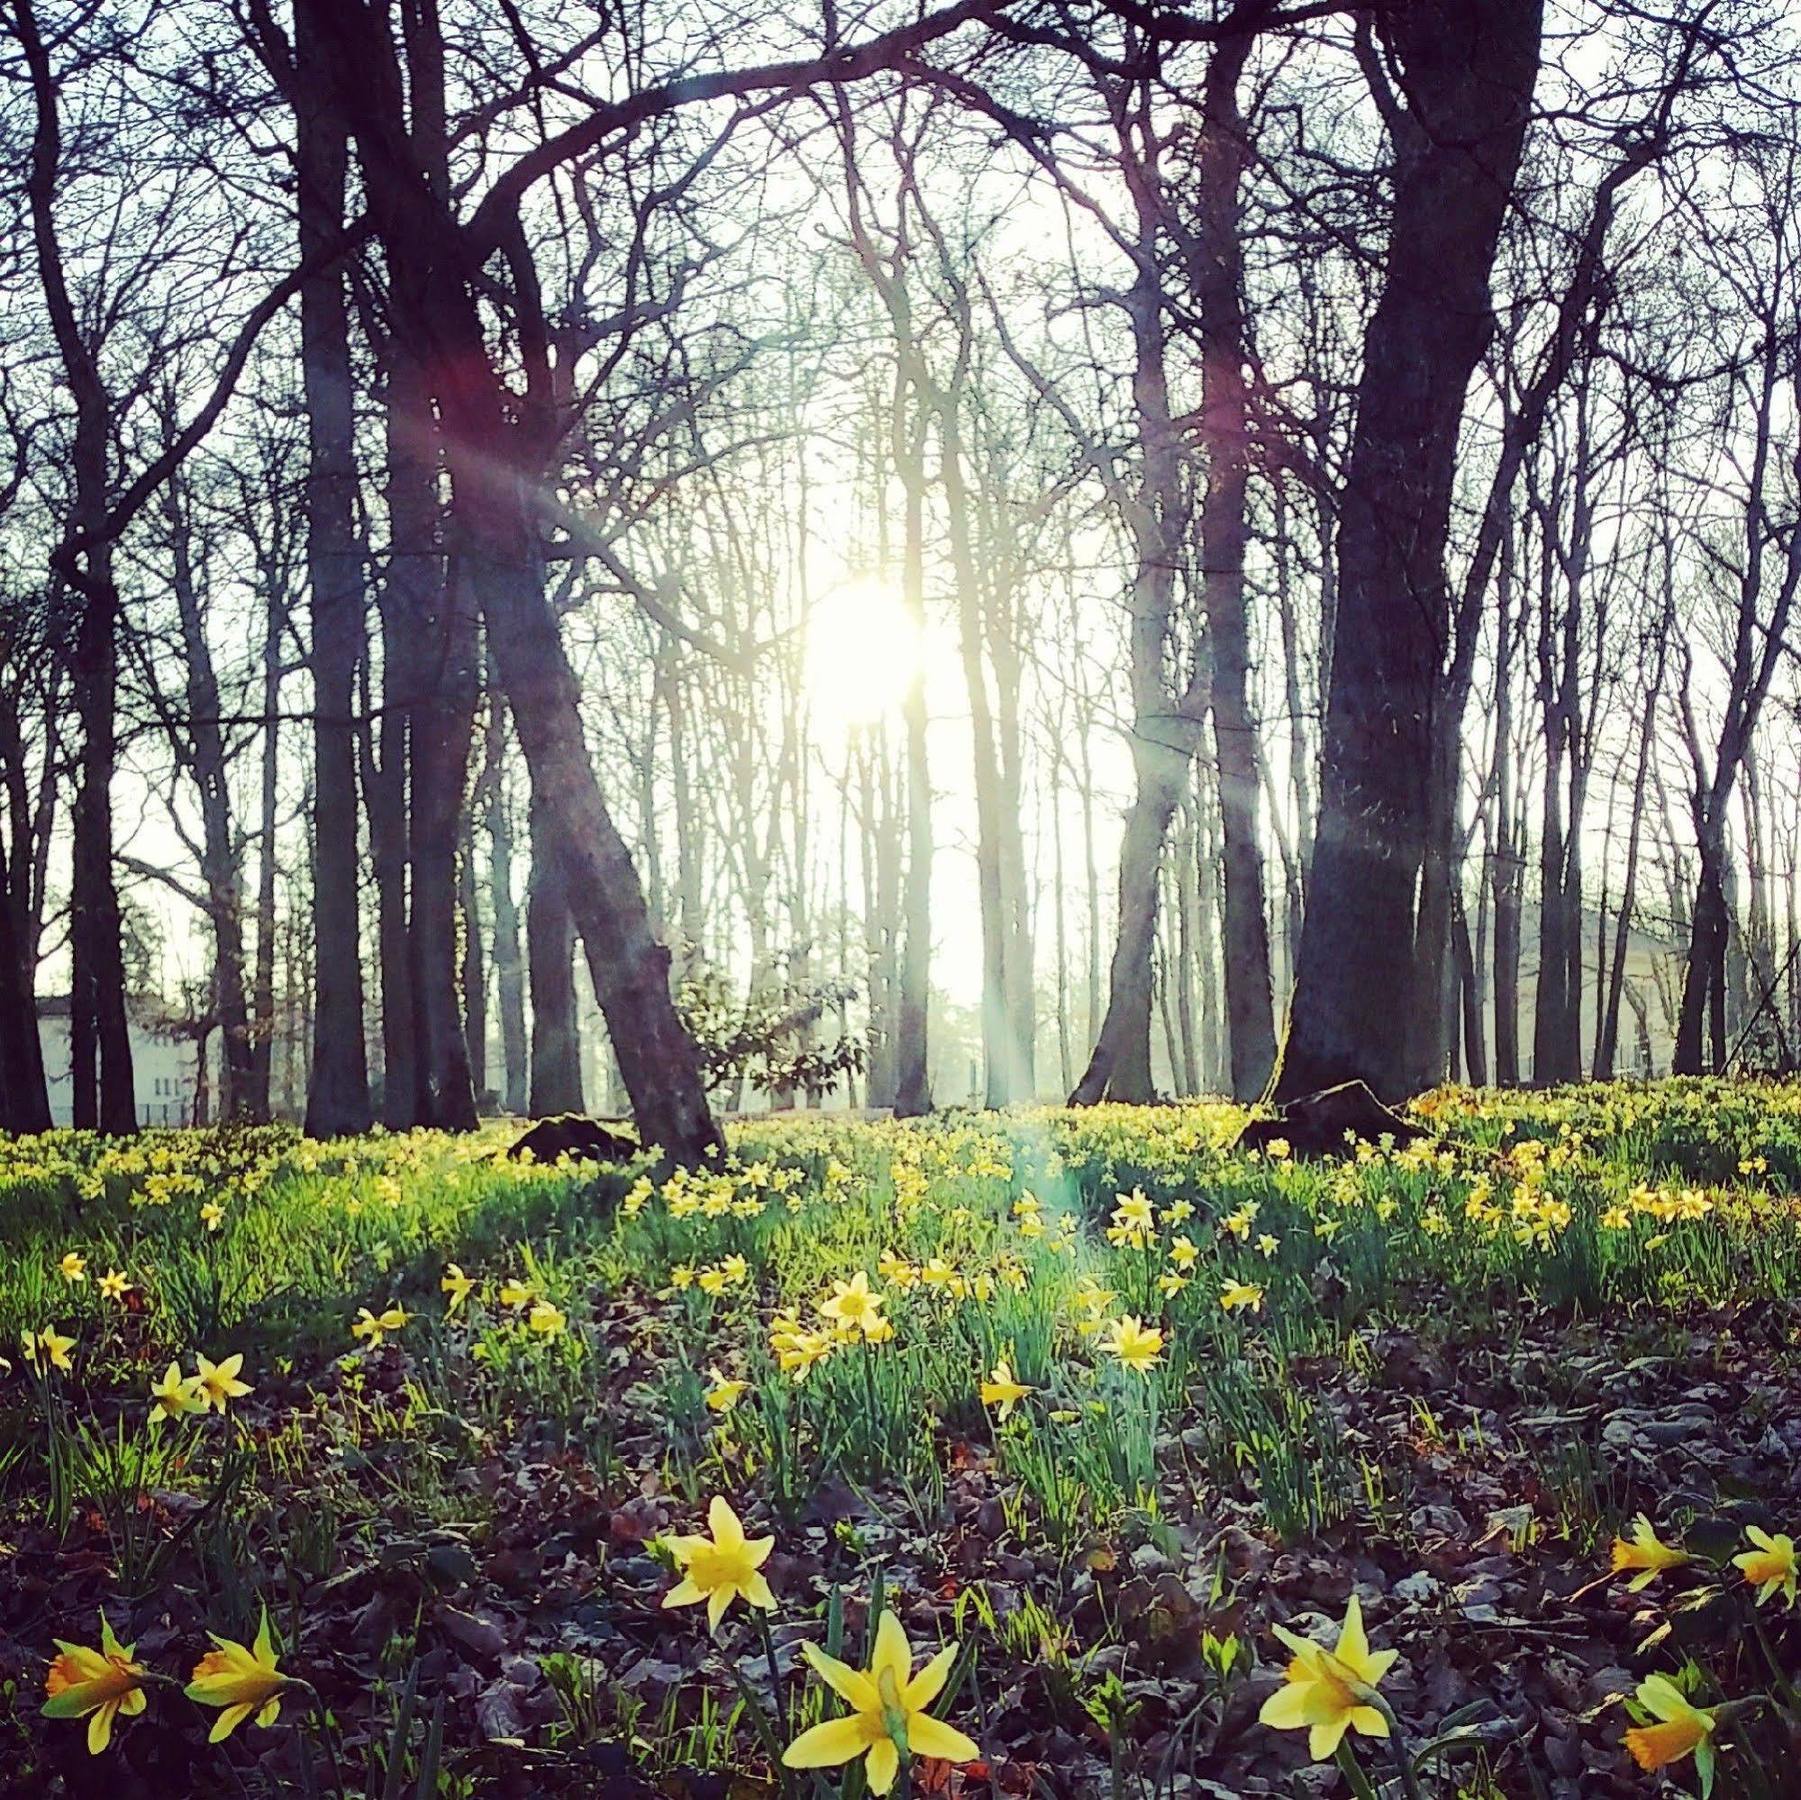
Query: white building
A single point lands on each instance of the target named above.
(163, 1065)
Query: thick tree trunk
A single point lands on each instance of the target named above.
(24, 1094)
(99, 1037)
(442, 726)
(1468, 69)
(338, 1088)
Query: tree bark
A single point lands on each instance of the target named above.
(338, 1088)
(556, 1052)
(1469, 69)
(1217, 279)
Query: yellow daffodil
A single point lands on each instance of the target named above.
(888, 1703)
(681, 1276)
(546, 1320)
(851, 1305)
(515, 1293)
(217, 1383)
(74, 1267)
(1268, 1245)
(1001, 1391)
(241, 1681)
(1329, 1692)
(1136, 1345)
(1133, 1213)
(49, 1345)
(1679, 1729)
(114, 1285)
(722, 1392)
(1183, 1251)
(1645, 1553)
(211, 1214)
(373, 1327)
(457, 1285)
(1234, 1295)
(1770, 1565)
(174, 1395)
(722, 1568)
(97, 1685)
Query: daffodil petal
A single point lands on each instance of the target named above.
(884, 1761)
(851, 1685)
(928, 1684)
(836, 1741)
(932, 1737)
(892, 1655)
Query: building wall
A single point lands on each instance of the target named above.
(162, 1068)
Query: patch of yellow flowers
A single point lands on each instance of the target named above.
(106, 1684)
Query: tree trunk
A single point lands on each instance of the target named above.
(260, 1095)
(509, 968)
(1468, 70)
(1217, 280)
(556, 1052)
(219, 867)
(912, 1072)
(338, 1089)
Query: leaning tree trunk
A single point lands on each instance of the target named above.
(1468, 69)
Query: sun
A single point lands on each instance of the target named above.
(863, 653)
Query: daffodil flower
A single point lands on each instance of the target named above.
(1136, 1345)
(48, 1345)
(457, 1285)
(1770, 1565)
(1679, 1729)
(1001, 1391)
(74, 1267)
(174, 1395)
(1645, 1553)
(97, 1685)
(887, 1702)
(723, 1393)
(546, 1320)
(1234, 1295)
(373, 1327)
(217, 1382)
(722, 1568)
(240, 1681)
(1329, 1692)
(114, 1285)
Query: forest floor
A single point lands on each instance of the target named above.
(1239, 1393)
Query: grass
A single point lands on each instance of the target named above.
(461, 1531)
